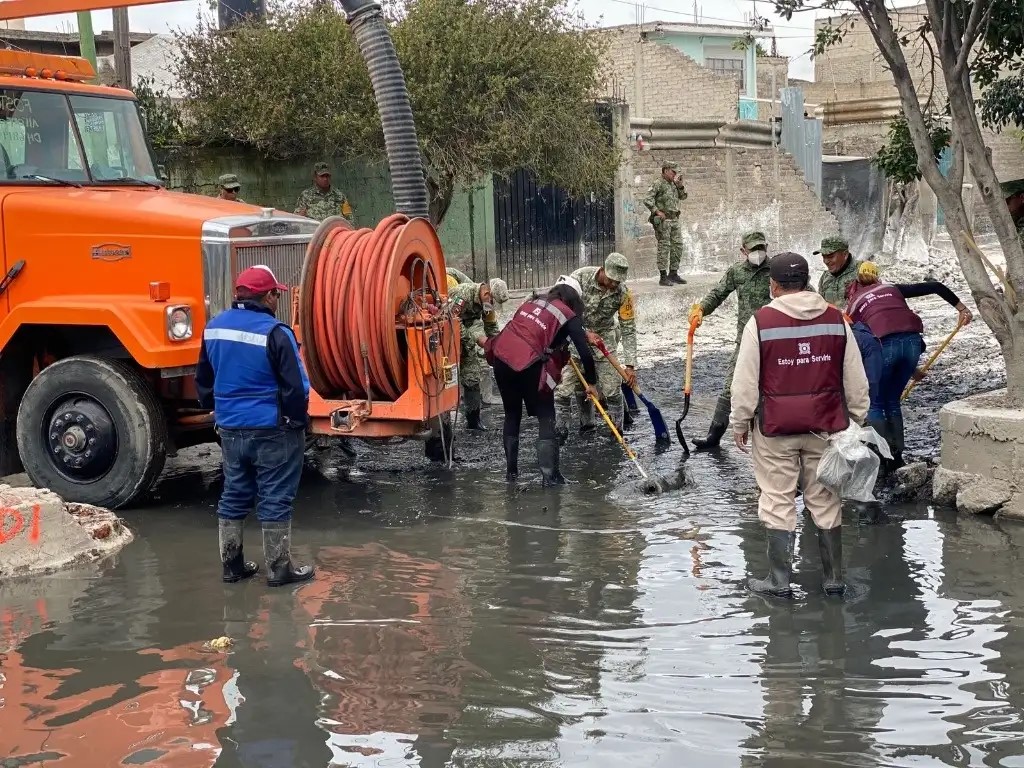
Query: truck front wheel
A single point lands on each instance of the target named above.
(91, 430)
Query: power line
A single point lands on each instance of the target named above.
(733, 22)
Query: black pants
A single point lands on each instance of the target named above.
(519, 388)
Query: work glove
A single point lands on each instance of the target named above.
(696, 316)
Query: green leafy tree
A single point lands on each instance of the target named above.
(161, 116)
(958, 38)
(495, 85)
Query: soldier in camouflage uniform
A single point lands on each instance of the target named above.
(750, 279)
(321, 200)
(456, 276)
(228, 187)
(479, 319)
(842, 270)
(607, 300)
(1013, 193)
(663, 200)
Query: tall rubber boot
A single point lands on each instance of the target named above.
(780, 566)
(236, 567)
(830, 544)
(547, 457)
(473, 401)
(881, 426)
(898, 437)
(627, 418)
(277, 549)
(511, 458)
(563, 409)
(665, 280)
(587, 416)
(719, 424)
(674, 277)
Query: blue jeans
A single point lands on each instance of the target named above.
(900, 353)
(262, 466)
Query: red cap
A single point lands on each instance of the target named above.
(258, 279)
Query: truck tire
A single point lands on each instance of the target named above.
(91, 430)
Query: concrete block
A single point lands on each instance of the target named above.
(40, 533)
(983, 497)
(946, 484)
(982, 437)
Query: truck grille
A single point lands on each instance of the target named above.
(285, 259)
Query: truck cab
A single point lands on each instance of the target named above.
(111, 279)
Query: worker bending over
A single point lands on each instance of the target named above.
(799, 378)
(479, 318)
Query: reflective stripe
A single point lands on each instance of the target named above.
(243, 337)
(803, 331)
(559, 315)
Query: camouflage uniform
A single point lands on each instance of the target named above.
(456, 276)
(229, 181)
(319, 204)
(611, 315)
(665, 196)
(475, 323)
(833, 287)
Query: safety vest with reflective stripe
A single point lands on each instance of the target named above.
(801, 373)
(528, 336)
(883, 309)
(245, 388)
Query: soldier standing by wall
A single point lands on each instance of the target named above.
(322, 200)
(479, 319)
(752, 283)
(606, 299)
(663, 200)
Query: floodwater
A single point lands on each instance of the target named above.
(457, 622)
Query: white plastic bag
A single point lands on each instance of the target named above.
(849, 467)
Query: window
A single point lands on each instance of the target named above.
(723, 66)
(112, 137)
(36, 138)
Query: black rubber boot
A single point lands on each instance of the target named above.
(236, 567)
(896, 440)
(563, 408)
(719, 424)
(474, 422)
(547, 457)
(277, 549)
(830, 544)
(627, 419)
(674, 277)
(870, 513)
(780, 566)
(665, 280)
(511, 458)
(588, 419)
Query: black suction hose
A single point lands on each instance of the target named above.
(407, 180)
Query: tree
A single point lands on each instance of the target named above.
(961, 37)
(161, 116)
(495, 85)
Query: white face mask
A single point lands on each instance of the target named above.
(757, 258)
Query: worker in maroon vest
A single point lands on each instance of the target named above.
(799, 377)
(882, 307)
(528, 356)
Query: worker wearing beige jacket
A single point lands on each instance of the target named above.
(799, 377)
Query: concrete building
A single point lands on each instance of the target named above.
(61, 43)
(153, 60)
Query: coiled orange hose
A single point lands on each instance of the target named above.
(355, 299)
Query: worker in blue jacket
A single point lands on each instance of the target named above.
(871, 354)
(251, 375)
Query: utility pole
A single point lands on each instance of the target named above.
(122, 48)
(86, 40)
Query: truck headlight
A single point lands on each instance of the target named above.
(179, 323)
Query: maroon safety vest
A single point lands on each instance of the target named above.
(527, 338)
(883, 309)
(801, 373)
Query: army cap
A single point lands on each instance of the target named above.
(616, 267)
(499, 290)
(753, 239)
(830, 245)
(229, 181)
(670, 165)
(321, 169)
(1011, 188)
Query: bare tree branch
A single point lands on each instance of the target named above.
(979, 10)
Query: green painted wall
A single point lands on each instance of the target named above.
(367, 185)
(691, 45)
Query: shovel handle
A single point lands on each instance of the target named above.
(609, 422)
(610, 357)
(931, 360)
(687, 385)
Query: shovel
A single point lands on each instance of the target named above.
(687, 388)
(657, 420)
(648, 485)
(931, 360)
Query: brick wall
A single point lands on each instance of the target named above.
(731, 191)
(766, 65)
(657, 80)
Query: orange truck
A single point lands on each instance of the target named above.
(110, 279)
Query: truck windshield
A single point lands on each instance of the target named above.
(70, 139)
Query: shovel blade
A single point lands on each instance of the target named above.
(661, 432)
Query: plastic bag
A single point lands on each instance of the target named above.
(849, 467)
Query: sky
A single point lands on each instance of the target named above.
(793, 37)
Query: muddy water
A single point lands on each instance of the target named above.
(457, 622)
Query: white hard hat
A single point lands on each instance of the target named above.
(572, 282)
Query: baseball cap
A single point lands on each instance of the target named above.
(830, 245)
(616, 267)
(1011, 188)
(572, 282)
(499, 290)
(789, 267)
(321, 169)
(228, 181)
(259, 279)
(753, 239)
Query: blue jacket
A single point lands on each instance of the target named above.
(871, 353)
(250, 372)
